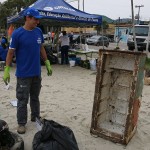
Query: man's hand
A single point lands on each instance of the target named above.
(6, 76)
(48, 67)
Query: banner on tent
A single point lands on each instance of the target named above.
(67, 16)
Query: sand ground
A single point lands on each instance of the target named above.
(67, 98)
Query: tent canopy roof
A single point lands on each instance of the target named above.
(61, 11)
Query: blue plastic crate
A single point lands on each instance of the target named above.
(77, 60)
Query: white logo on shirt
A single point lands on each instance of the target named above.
(39, 41)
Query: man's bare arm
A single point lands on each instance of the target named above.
(9, 57)
(43, 53)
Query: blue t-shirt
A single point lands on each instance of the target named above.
(27, 45)
(3, 53)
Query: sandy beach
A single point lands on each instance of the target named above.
(67, 98)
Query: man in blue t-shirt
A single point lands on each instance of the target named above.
(26, 43)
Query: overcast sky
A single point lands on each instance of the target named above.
(114, 8)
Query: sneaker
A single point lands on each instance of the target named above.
(21, 129)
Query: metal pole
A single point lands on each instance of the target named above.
(103, 35)
(139, 6)
(83, 5)
(78, 4)
(118, 33)
(134, 36)
(139, 15)
(148, 39)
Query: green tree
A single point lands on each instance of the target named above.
(99, 27)
(28, 2)
(4, 11)
(12, 7)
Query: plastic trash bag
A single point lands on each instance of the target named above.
(93, 64)
(9, 140)
(6, 139)
(54, 136)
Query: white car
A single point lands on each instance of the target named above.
(98, 40)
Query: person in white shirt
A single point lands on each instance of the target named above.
(60, 34)
(49, 36)
(64, 40)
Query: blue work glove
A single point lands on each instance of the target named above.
(6, 76)
(48, 67)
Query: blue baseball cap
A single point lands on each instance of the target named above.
(32, 12)
(3, 41)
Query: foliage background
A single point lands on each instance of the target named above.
(11, 7)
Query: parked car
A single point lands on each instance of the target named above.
(84, 36)
(76, 38)
(98, 40)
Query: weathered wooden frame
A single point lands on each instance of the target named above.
(118, 89)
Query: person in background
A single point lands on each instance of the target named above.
(49, 36)
(71, 39)
(64, 41)
(3, 50)
(60, 34)
(5, 41)
(10, 31)
(52, 36)
(27, 43)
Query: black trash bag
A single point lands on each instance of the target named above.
(19, 143)
(52, 58)
(9, 140)
(54, 136)
(6, 139)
